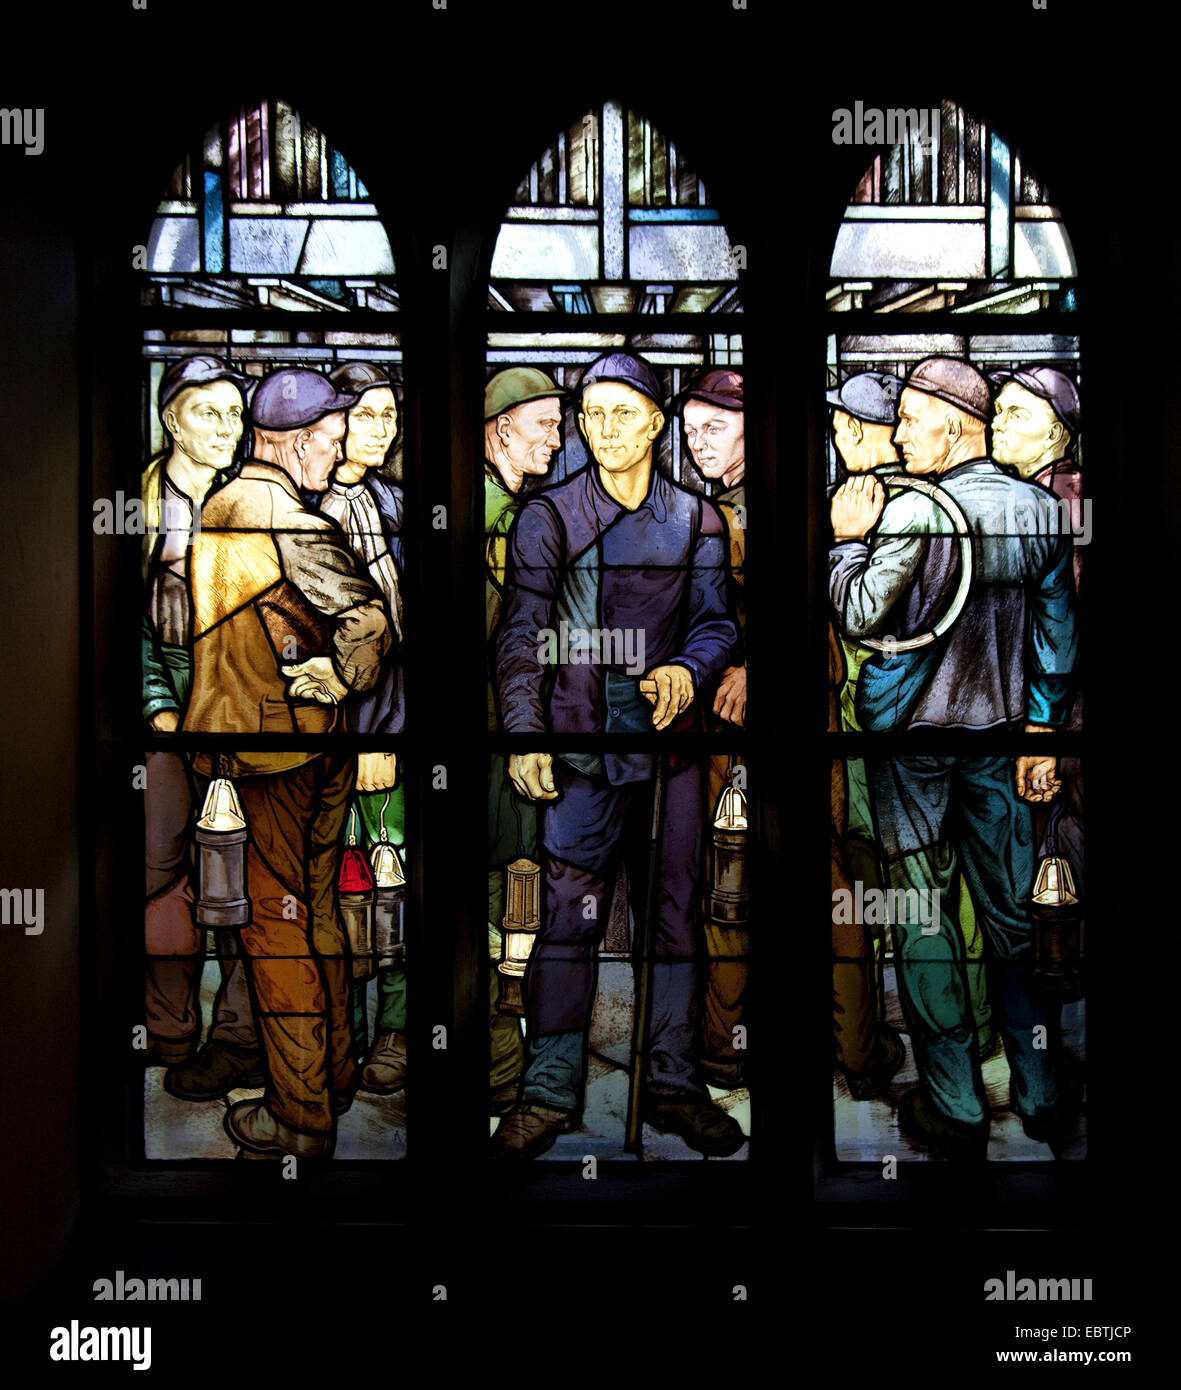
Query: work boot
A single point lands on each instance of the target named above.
(726, 1073)
(531, 1129)
(218, 1069)
(931, 1129)
(868, 1084)
(170, 1052)
(385, 1071)
(252, 1126)
(703, 1125)
(503, 1098)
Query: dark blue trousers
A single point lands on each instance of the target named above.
(584, 834)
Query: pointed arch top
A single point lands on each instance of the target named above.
(268, 212)
(612, 217)
(947, 216)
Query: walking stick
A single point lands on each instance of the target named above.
(633, 1142)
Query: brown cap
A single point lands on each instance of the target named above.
(954, 381)
(720, 386)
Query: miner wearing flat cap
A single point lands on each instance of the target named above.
(201, 401)
(973, 620)
(1035, 426)
(615, 621)
(522, 432)
(286, 624)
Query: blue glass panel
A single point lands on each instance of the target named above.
(340, 175)
(1000, 207)
(215, 227)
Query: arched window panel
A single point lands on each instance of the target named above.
(948, 217)
(613, 218)
(268, 213)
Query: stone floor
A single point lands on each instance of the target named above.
(374, 1127)
(865, 1131)
(605, 1107)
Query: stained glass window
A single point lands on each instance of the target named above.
(958, 513)
(273, 566)
(614, 536)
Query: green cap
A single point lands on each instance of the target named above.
(514, 386)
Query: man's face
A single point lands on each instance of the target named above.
(533, 435)
(372, 425)
(1022, 426)
(322, 450)
(716, 438)
(619, 423)
(921, 433)
(206, 422)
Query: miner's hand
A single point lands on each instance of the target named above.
(533, 775)
(167, 721)
(315, 679)
(376, 772)
(1036, 779)
(670, 689)
(730, 701)
(856, 506)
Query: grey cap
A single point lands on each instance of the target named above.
(631, 371)
(294, 397)
(868, 396)
(1052, 386)
(199, 370)
(355, 378)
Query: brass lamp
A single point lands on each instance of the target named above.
(355, 893)
(1057, 928)
(389, 904)
(221, 845)
(519, 926)
(729, 897)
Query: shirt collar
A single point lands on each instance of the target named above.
(655, 500)
(349, 491)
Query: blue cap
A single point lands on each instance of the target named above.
(631, 371)
(868, 396)
(293, 397)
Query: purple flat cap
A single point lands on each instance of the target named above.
(868, 396)
(294, 397)
(720, 386)
(1052, 386)
(631, 371)
(954, 381)
(196, 371)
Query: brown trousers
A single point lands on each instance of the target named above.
(173, 943)
(854, 1012)
(726, 947)
(295, 944)
(854, 1017)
